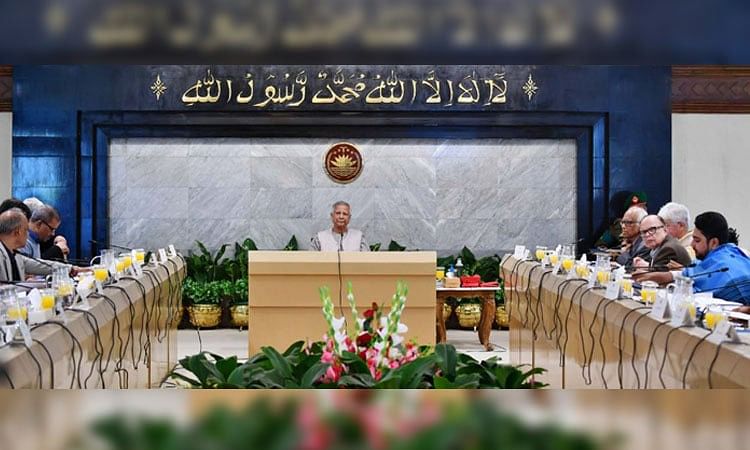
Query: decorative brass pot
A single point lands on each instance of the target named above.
(204, 315)
(501, 316)
(469, 314)
(447, 310)
(238, 315)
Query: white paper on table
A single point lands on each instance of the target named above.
(704, 301)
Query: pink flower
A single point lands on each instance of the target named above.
(394, 364)
(327, 357)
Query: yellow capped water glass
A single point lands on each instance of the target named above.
(127, 260)
(48, 299)
(140, 256)
(100, 274)
(567, 264)
(540, 252)
(17, 313)
(439, 273)
(120, 265)
(553, 258)
(627, 285)
(648, 292)
(602, 276)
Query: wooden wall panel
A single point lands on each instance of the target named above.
(711, 89)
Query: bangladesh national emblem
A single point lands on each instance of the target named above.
(343, 163)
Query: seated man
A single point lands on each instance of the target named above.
(677, 220)
(340, 237)
(714, 252)
(14, 230)
(664, 248)
(633, 245)
(42, 227)
(611, 238)
(55, 249)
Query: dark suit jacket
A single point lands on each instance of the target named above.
(670, 249)
(638, 249)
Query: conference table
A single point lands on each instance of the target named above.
(584, 340)
(126, 339)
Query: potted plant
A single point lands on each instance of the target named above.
(204, 300)
(469, 311)
(238, 309)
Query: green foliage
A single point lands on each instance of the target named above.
(277, 425)
(375, 247)
(394, 246)
(292, 244)
(298, 367)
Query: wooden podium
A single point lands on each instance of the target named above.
(285, 306)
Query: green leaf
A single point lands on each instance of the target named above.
(359, 380)
(292, 244)
(227, 366)
(295, 348)
(249, 245)
(354, 363)
(313, 374)
(394, 246)
(469, 381)
(375, 247)
(442, 383)
(279, 363)
(447, 360)
(467, 257)
(413, 374)
(182, 377)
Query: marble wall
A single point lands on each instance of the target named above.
(442, 194)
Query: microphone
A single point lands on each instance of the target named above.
(102, 244)
(40, 261)
(657, 268)
(723, 269)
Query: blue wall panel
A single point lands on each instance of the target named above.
(64, 115)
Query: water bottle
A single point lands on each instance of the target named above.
(451, 272)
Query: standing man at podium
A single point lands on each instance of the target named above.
(340, 237)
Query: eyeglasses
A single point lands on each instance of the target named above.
(629, 222)
(651, 231)
(51, 228)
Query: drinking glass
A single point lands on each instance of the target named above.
(140, 256)
(648, 292)
(48, 299)
(627, 285)
(540, 252)
(553, 257)
(100, 273)
(713, 316)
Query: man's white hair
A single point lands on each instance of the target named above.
(639, 212)
(339, 203)
(33, 203)
(675, 213)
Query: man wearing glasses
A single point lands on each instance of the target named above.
(633, 245)
(664, 248)
(42, 227)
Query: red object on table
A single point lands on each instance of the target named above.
(470, 281)
(490, 284)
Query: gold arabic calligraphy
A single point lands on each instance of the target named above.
(338, 87)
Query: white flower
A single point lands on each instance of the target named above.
(402, 328)
(397, 339)
(338, 323)
(340, 337)
(384, 322)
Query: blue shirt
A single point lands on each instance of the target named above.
(732, 285)
(32, 246)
